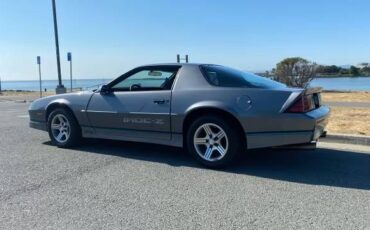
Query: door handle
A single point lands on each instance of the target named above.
(159, 102)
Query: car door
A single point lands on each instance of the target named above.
(147, 114)
(137, 106)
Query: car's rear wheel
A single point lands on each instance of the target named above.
(213, 141)
(63, 128)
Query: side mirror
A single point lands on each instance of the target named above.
(105, 89)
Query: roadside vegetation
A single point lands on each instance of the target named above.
(349, 120)
(293, 71)
(337, 71)
(346, 96)
(297, 71)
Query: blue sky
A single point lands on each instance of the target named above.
(109, 37)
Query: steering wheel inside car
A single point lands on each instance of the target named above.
(134, 87)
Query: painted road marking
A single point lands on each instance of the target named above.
(23, 116)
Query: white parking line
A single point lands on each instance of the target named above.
(23, 116)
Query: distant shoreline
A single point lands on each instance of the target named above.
(340, 76)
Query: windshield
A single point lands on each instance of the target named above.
(228, 77)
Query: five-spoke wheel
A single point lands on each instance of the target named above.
(214, 141)
(211, 142)
(60, 128)
(64, 130)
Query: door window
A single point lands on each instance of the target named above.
(147, 80)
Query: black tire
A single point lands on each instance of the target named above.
(74, 130)
(235, 141)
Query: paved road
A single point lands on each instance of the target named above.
(107, 184)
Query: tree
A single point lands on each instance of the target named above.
(327, 70)
(295, 71)
(365, 71)
(354, 70)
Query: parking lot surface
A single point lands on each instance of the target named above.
(123, 185)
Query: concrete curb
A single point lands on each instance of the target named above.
(346, 139)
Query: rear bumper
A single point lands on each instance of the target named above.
(321, 119)
(318, 119)
(38, 125)
(272, 139)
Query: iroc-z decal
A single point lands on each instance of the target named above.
(143, 121)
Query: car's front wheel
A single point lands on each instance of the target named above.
(213, 141)
(63, 128)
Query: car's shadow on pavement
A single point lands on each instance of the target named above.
(319, 167)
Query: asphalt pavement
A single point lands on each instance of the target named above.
(123, 185)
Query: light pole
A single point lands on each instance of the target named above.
(69, 58)
(0, 86)
(39, 64)
(60, 87)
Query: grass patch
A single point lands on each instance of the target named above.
(346, 96)
(349, 121)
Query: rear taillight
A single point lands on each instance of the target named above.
(303, 104)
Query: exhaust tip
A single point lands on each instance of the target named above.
(323, 134)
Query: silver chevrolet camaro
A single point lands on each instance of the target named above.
(215, 112)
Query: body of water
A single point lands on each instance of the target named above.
(333, 83)
(50, 85)
(343, 83)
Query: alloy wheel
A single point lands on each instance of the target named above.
(60, 128)
(211, 142)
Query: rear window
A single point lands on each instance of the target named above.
(227, 77)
